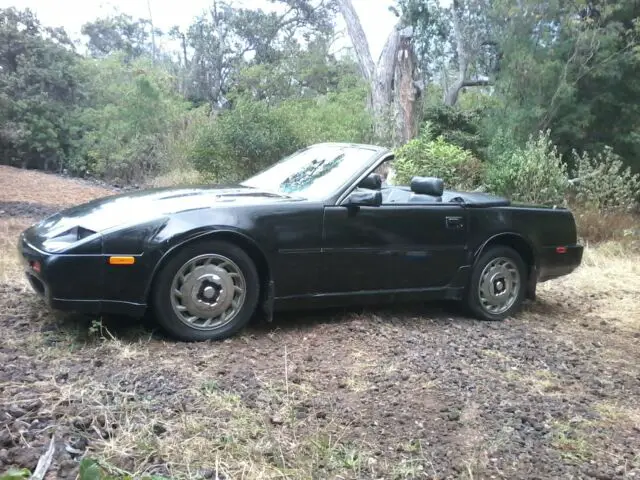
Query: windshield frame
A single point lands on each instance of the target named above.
(377, 155)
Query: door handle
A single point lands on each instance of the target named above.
(454, 222)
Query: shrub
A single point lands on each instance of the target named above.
(426, 157)
(335, 117)
(602, 183)
(180, 140)
(254, 134)
(243, 141)
(457, 126)
(133, 108)
(534, 173)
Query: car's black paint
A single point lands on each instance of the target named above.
(380, 248)
(341, 250)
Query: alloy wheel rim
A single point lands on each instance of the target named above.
(208, 292)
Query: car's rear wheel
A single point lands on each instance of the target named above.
(206, 291)
(498, 284)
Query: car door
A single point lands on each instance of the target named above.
(392, 246)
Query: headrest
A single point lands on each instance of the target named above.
(427, 186)
(373, 181)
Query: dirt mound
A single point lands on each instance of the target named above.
(30, 186)
(26, 209)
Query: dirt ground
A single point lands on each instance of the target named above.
(410, 392)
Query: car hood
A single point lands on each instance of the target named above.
(146, 205)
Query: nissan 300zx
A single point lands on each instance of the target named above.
(319, 228)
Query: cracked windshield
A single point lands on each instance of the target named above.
(315, 173)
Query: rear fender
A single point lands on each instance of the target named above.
(530, 258)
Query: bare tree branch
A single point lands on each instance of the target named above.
(451, 95)
(477, 83)
(153, 33)
(44, 462)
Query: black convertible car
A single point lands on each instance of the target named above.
(319, 228)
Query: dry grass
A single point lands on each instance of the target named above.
(177, 178)
(610, 276)
(10, 229)
(597, 227)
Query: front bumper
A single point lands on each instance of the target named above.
(72, 282)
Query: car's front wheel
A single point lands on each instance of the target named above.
(207, 291)
(498, 284)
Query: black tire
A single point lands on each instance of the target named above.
(473, 297)
(161, 295)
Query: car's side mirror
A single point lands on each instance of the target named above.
(370, 198)
(373, 181)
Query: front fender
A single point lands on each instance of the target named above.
(227, 233)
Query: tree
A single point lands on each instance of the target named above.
(470, 34)
(394, 81)
(604, 106)
(134, 109)
(227, 38)
(41, 89)
(303, 73)
(569, 68)
(455, 41)
(120, 33)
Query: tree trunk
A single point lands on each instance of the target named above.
(359, 39)
(395, 91)
(383, 90)
(409, 90)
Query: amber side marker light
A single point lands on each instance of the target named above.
(122, 260)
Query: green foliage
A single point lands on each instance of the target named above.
(255, 134)
(40, 92)
(118, 33)
(602, 182)
(303, 74)
(216, 47)
(335, 117)
(604, 109)
(90, 469)
(15, 474)
(179, 143)
(134, 109)
(457, 126)
(243, 141)
(569, 69)
(534, 173)
(426, 157)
